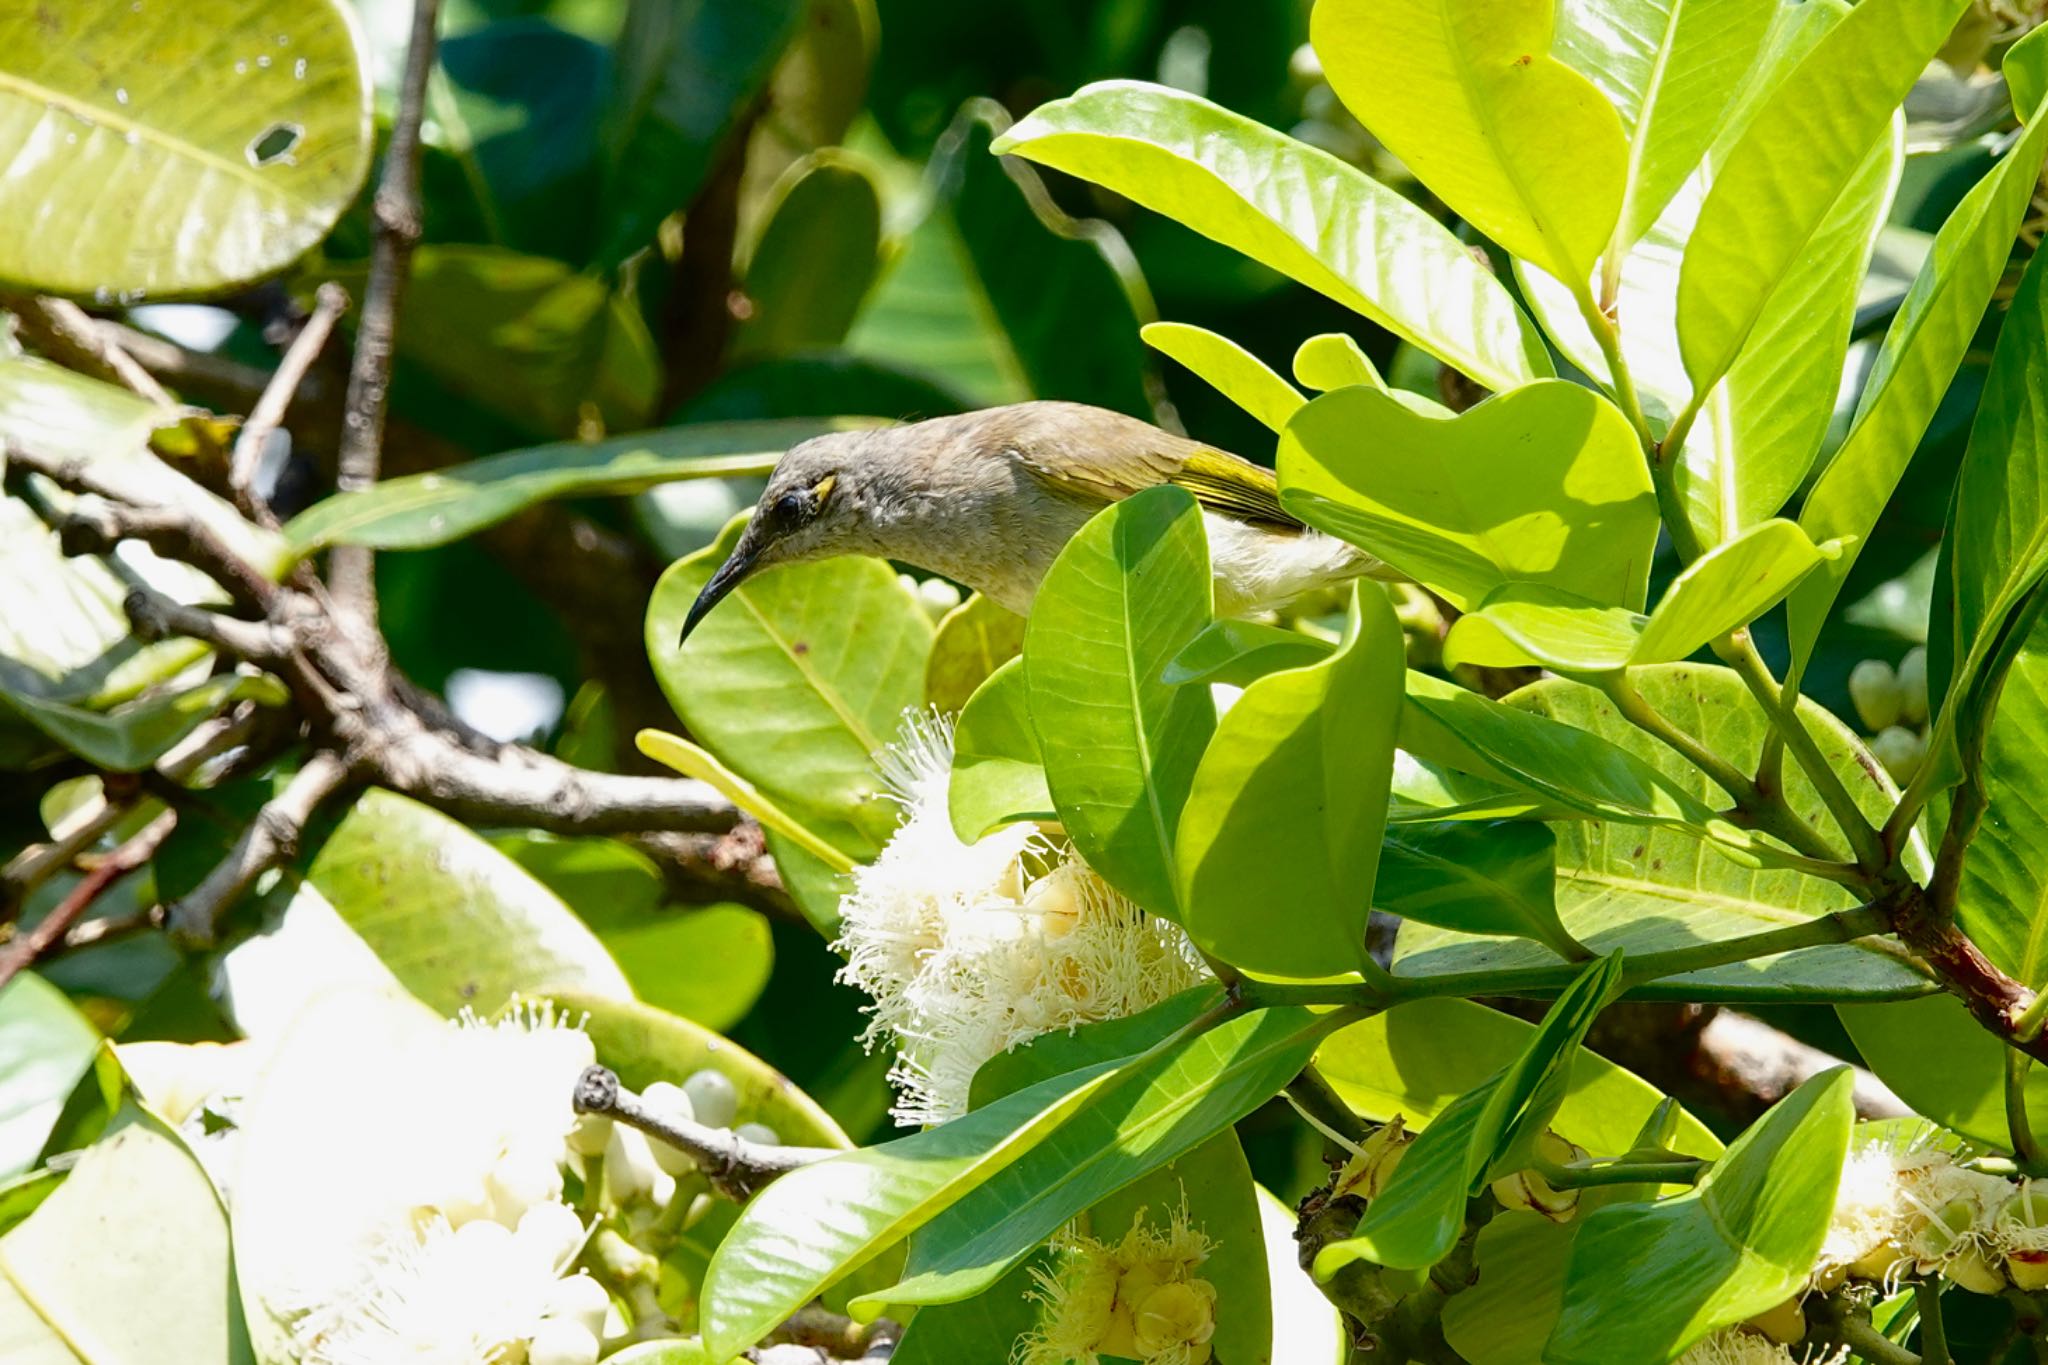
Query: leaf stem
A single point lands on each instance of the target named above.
(1623, 383)
(1739, 652)
(2025, 1145)
(1872, 1345)
(1933, 1332)
(1621, 1171)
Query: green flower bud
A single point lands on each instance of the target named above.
(2023, 1231)
(1913, 687)
(671, 1102)
(1784, 1324)
(1902, 751)
(1528, 1190)
(1874, 688)
(591, 1133)
(714, 1099)
(1975, 1271)
(1176, 1315)
(1366, 1174)
(758, 1132)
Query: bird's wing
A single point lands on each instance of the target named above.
(1220, 482)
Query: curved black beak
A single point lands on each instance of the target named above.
(729, 576)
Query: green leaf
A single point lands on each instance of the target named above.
(1573, 509)
(1419, 1217)
(985, 1327)
(1233, 180)
(1945, 1064)
(1333, 360)
(1418, 1057)
(168, 1265)
(666, 951)
(2001, 900)
(1120, 745)
(176, 149)
(1241, 652)
(52, 1046)
(1228, 368)
(1927, 341)
(1995, 549)
(524, 338)
(1479, 877)
(1652, 890)
(1723, 590)
(820, 1223)
(1468, 95)
(972, 641)
(133, 736)
(1287, 807)
(1672, 69)
(797, 681)
(1144, 1115)
(998, 772)
(1790, 166)
(685, 75)
(645, 1044)
(419, 511)
(816, 257)
(693, 761)
(1005, 296)
(455, 920)
(1647, 1280)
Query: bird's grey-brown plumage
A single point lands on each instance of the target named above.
(989, 499)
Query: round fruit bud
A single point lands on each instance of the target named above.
(1901, 751)
(560, 1341)
(1056, 900)
(1875, 690)
(521, 1179)
(1529, 1190)
(714, 1099)
(580, 1300)
(1784, 1324)
(758, 1132)
(590, 1134)
(671, 1102)
(1975, 1271)
(553, 1231)
(938, 596)
(1181, 1314)
(2023, 1232)
(629, 1166)
(1913, 686)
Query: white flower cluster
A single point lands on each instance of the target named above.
(971, 949)
(458, 1248)
(1137, 1300)
(1735, 1346)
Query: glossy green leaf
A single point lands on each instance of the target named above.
(1241, 652)
(168, 1265)
(50, 1046)
(1143, 1116)
(985, 1327)
(1469, 96)
(645, 1044)
(1003, 295)
(685, 75)
(1542, 485)
(1287, 807)
(1478, 876)
(1995, 550)
(797, 681)
(136, 734)
(1672, 69)
(972, 641)
(998, 772)
(524, 338)
(1945, 1064)
(1926, 342)
(1334, 361)
(419, 511)
(2001, 901)
(1120, 745)
(1416, 1058)
(665, 950)
(819, 1224)
(1647, 1280)
(176, 149)
(1790, 166)
(1418, 1218)
(1653, 890)
(816, 257)
(456, 921)
(1233, 180)
(1228, 368)
(1523, 623)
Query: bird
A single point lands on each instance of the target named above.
(989, 498)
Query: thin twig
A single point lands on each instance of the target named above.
(64, 332)
(268, 413)
(271, 840)
(395, 211)
(737, 1169)
(834, 1336)
(24, 949)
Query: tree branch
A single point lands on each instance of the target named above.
(66, 334)
(737, 1169)
(268, 412)
(50, 930)
(271, 840)
(395, 210)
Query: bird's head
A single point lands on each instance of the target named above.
(811, 509)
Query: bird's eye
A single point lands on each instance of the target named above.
(792, 507)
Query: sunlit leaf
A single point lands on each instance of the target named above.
(998, 771)
(1228, 368)
(972, 641)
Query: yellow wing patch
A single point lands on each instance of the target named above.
(1220, 482)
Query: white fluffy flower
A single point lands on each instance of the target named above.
(971, 949)
(1735, 1346)
(399, 1192)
